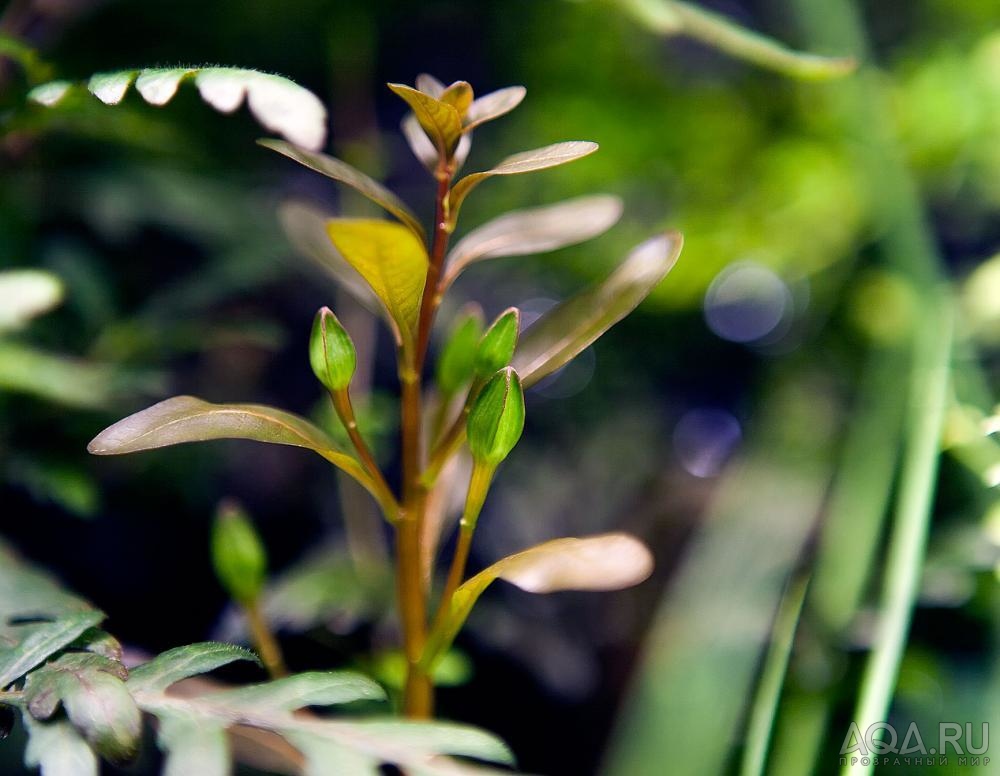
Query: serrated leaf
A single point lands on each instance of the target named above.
(91, 689)
(184, 662)
(57, 749)
(567, 329)
(184, 419)
(606, 562)
(526, 161)
(305, 227)
(314, 688)
(357, 180)
(537, 230)
(441, 121)
(424, 149)
(492, 106)
(29, 645)
(26, 294)
(279, 104)
(393, 262)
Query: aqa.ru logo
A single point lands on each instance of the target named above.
(880, 744)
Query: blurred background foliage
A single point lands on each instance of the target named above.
(748, 421)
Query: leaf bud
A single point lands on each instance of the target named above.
(331, 351)
(496, 419)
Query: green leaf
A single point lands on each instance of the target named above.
(524, 232)
(496, 419)
(566, 330)
(91, 689)
(188, 419)
(279, 104)
(496, 348)
(526, 161)
(314, 688)
(492, 106)
(392, 260)
(331, 351)
(441, 121)
(456, 364)
(29, 645)
(57, 749)
(184, 662)
(612, 561)
(26, 294)
(357, 180)
(305, 227)
(238, 553)
(671, 17)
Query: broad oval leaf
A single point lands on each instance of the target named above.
(279, 104)
(430, 85)
(305, 227)
(357, 180)
(184, 662)
(26, 294)
(537, 230)
(492, 106)
(313, 688)
(611, 561)
(441, 121)
(193, 745)
(190, 419)
(57, 748)
(393, 262)
(569, 327)
(526, 161)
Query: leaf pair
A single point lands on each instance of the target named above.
(279, 104)
(446, 114)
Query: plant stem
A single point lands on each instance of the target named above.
(267, 645)
(345, 411)
(418, 696)
(479, 485)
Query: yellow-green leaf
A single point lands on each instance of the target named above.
(526, 161)
(392, 260)
(441, 121)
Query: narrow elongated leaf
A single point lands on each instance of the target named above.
(27, 646)
(537, 230)
(305, 227)
(441, 121)
(567, 329)
(183, 419)
(316, 688)
(57, 749)
(279, 104)
(674, 17)
(345, 173)
(606, 562)
(184, 662)
(26, 294)
(91, 689)
(526, 161)
(424, 149)
(392, 260)
(492, 106)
